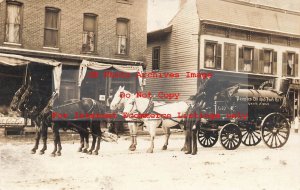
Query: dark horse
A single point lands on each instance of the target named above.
(70, 109)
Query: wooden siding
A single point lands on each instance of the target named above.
(179, 54)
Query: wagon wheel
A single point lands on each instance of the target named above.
(207, 138)
(250, 136)
(275, 130)
(230, 136)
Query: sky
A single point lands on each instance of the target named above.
(160, 12)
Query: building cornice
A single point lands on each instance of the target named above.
(62, 56)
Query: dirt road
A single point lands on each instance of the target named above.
(116, 168)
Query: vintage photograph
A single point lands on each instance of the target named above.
(149, 94)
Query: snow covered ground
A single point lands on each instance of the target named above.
(117, 168)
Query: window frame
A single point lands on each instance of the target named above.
(217, 59)
(158, 60)
(271, 57)
(21, 5)
(252, 60)
(58, 11)
(95, 32)
(127, 21)
(294, 64)
(215, 43)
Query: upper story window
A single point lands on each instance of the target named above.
(246, 57)
(51, 27)
(213, 55)
(290, 64)
(89, 33)
(155, 58)
(229, 57)
(13, 22)
(122, 36)
(268, 61)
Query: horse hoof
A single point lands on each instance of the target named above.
(95, 153)
(184, 149)
(84, 151)
(164, 147)
(90, 152)
(193, 153)
(132, 148)
(58, 154)
(52, 154)
(150, 150)
(187, 152)
(33, 151)
(79, 150)
(42, 152)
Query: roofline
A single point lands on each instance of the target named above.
(277, 9)
(57, 55)
(159, 33)
(244, 27)
(167, 29)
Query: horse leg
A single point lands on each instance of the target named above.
(44, 138)
(152, 135)
(58, 144)
(81, 134)
(55, 135)
(167, 133)
(37, 140)
(94, 136)
(86, 142)
(99, 134)
(133, 133)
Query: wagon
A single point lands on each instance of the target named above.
(246, 116)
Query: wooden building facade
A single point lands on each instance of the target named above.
(235, 41)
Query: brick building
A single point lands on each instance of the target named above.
(237, 41)
(70, 31)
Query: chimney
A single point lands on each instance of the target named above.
(181, 3)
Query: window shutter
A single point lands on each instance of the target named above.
(256, 65)
(241, 59)
(261, 61)
(229, 57)
(274, 64)
(219, 56)
(284, 64)
(296, 65)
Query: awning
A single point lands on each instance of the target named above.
(18, 60)
(103, 66)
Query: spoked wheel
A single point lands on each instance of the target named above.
(230, 136)
(207, 138)
(250, 136)
(275, 130)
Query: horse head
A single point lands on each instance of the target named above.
(119, 99)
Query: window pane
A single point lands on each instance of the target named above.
(122, 29)
(122, 45)
(51, 19)
(12, 33)
(89, 23)
(290, 65)
(51, 37)
(88, 42)
(13, 20)
(13, 14)
(209, 55)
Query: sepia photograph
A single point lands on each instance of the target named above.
(149, 94)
